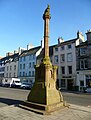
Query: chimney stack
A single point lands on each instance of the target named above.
(80, 36)
(60, 40)
(88, 35)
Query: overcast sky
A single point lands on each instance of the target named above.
(21, 21)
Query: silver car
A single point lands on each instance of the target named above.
(26, 85)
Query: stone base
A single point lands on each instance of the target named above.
(43, 109)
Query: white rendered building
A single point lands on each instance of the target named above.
(65, 58)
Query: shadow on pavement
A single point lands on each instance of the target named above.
(76, 92)
(10, 101)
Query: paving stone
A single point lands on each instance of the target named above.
(74, 112)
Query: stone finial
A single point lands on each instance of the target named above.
(47, 13)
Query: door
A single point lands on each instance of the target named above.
(70, 84)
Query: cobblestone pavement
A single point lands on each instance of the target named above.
(74, 112)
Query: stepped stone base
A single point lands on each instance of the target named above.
(43, 109)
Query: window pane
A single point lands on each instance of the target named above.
(69, 46)
(63, 70)
(81, 64)
(69, 57)
(56, 59)
(56, 49)
(70, 69)
(85, 64)
(62, 57)
(62, 47)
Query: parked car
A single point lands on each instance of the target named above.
(26, 85)
(88, 89)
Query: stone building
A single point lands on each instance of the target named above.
(9, 65)
(27, 60)
(83, 52)
(64, 54)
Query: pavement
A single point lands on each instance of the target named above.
(74, 112)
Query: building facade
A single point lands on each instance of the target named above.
(65, 58)
(11, 66)
(27, 60)
(83, 52)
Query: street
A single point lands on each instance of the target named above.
(10, 96)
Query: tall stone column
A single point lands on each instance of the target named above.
(46, 17)
(44, 95)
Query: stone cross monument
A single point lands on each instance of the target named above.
(44, 96)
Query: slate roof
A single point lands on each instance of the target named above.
(67, 42)
(7, 58)
(30, 51)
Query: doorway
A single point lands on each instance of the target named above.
(70, 84)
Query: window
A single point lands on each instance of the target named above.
(62, 82)
(33, 73)
(20, 66)
(62, 47)
(9, 74)
(83, 51)
(88, 80)
(70, 69)
(10, 67)
(14, 67)
(23, 73)
(30, 73)
(20, 59)
(56, 49)
(56, 59)
(83, 64)
(20, 74)
(24, 58)
(6, 74)
(33, 64)
(30, 65)
(63, 70)
(69, 46)
(69, 57)
(7, 68)
(23, 66)
(62, 57)
(14, 75)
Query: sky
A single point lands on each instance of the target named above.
(21, 21)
